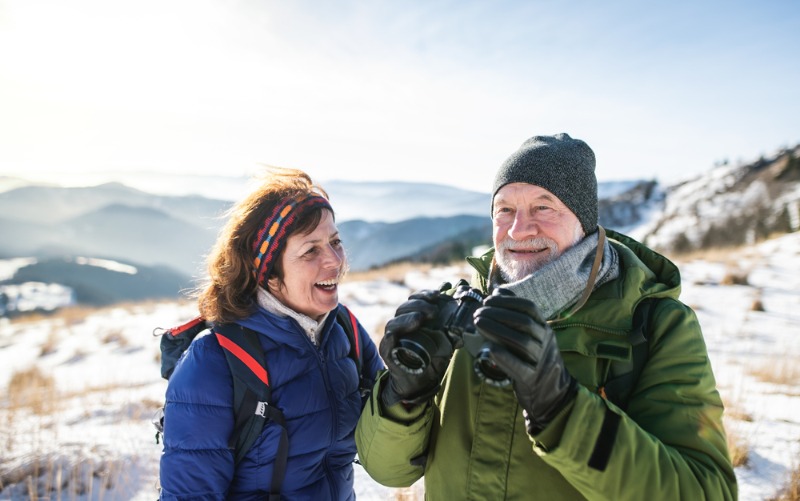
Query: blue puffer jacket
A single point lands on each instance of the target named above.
(315, 387)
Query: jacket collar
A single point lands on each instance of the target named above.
(644, 273)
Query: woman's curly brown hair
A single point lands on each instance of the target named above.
(230, 290)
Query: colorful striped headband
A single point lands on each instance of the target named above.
(272, 237)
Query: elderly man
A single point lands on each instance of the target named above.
(611, 392)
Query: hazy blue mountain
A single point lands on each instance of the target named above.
(383, 222)
(50, 204)
(373, 244)
(396, 221)
(138, 234)
(96, 285)
(391, 202)
(142, 235)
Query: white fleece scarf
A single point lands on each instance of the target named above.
(311, 327)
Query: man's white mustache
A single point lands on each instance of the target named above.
(538, 243)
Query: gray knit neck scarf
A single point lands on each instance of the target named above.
(560, 283)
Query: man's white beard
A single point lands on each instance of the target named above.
(513, 270)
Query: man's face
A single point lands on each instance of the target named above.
(531, 227)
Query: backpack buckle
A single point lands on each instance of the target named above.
(158, 423)
(261, 409)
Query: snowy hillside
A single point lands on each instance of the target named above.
(80, 387)
(729, 205)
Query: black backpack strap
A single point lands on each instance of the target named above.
(349, 323)
(252, 406)
(640, 342)
(626, 375)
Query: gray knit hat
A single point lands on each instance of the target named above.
(561, 165)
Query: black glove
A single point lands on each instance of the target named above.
(524, 347)
(416, 320)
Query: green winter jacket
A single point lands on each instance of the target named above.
(471, 441)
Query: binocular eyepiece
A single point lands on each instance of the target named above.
(455, 318)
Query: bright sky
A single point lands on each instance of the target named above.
(422, 90)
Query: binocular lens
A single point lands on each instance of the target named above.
(411, 355)
(488, 371)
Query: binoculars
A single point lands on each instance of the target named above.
(455, 319)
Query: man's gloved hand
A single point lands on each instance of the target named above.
(524, 347)
(416, 320)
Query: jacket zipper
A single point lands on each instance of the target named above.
(323, 365)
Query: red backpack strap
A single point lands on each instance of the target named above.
(197, 323)
(247, 359)
(354, 329)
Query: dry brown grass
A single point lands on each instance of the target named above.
(735, 276)
(51, 344)
(74, 315)
(70, 471)
(70, 315)
(783, 371)
(28, 318)
(106, 388)
(393, 273)
(115, 336)
(31, 388)
(715, 254)
(62, 477)
(731, 257)
(738, 448)
(791, 492)
(738, 443)
(405, 494)
(736, 412)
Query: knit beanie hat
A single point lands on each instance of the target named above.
(561, 165)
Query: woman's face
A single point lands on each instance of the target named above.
(312, 266)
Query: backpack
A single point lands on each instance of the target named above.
(252, 406)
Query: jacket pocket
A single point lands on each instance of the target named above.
(589, 357)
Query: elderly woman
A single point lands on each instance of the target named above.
(275, 271)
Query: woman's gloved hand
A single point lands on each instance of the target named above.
(415, 330)
(524, 347)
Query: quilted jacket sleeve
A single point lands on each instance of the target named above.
(372, 363)
(389, 439)
(198, 419)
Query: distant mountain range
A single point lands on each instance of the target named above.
(380, 222)
(167, 236)
(109, 221)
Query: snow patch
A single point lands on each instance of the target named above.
(106, 264)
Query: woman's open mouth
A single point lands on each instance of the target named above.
(327, 285)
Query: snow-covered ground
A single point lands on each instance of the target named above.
(91, 436)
